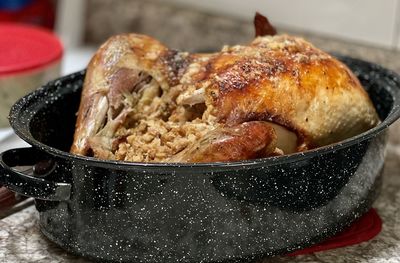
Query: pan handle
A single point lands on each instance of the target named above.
(26, 184)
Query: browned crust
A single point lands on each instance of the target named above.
(85, 106)
(279, 79)
(242, 142)
(246, 83)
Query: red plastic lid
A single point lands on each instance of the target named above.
(24, 48)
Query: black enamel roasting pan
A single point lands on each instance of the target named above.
(118, 211)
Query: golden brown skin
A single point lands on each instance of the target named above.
(311, 98)
(245, 141)
(287, 81)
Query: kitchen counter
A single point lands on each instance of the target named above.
(21, 240)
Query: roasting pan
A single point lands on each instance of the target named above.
(212, 212)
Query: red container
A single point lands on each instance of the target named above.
(29, 57)
(25, 48)
(37, 12)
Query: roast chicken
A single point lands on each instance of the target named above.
(144, 102)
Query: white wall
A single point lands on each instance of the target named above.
(70, 21)
(369, 21)
(398, 25)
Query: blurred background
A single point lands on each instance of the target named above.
(366, 21)
(208, 24)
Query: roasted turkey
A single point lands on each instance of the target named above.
(144, 102)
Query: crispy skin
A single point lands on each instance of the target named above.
(287, 81)
(277, 79)
(248, 140)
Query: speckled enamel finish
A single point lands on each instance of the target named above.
(118, 211)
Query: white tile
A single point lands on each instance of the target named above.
(370, 21)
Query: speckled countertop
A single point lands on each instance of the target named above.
(21, 240)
